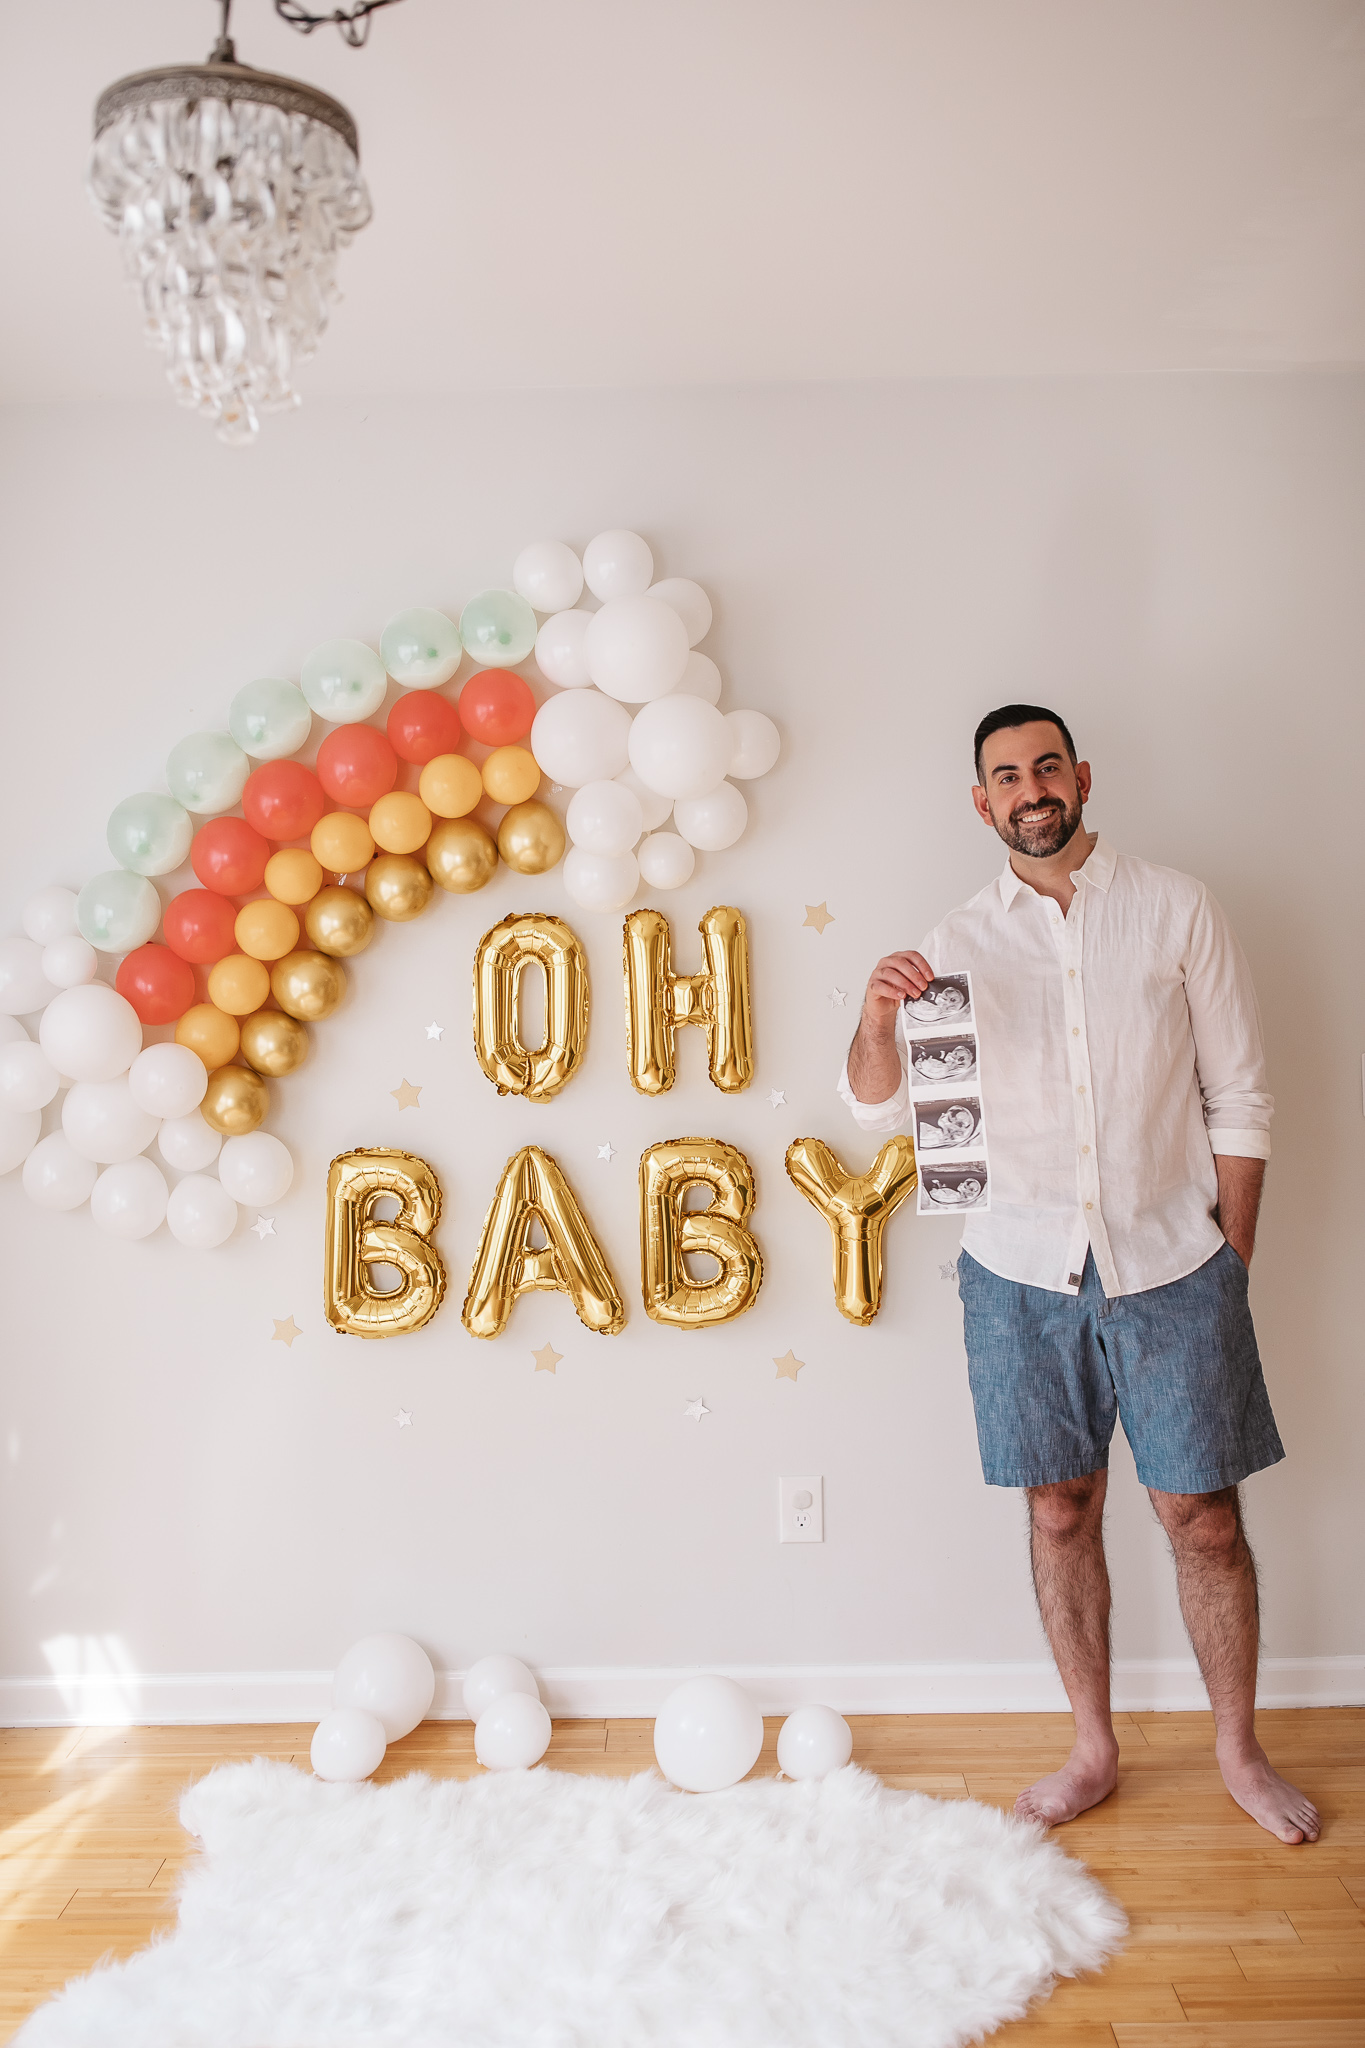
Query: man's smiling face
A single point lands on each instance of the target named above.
(1032, 790)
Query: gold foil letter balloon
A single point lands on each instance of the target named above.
(857, 1208)
(533, 1189)
(668, 1234)
(659, 1001)
(355, 1239)
(500, 959)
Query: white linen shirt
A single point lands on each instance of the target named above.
(1120, 1049)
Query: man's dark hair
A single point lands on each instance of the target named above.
(1010, 715)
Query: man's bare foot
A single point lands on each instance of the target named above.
(1270, 1799)
(1084, 1780)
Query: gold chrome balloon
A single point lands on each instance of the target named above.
(531, 838)
(857, 1208)
(397, 886)
(273, 1043)
(236, 1101)
(533, 1189)
(658, 1001)
(356, 1182)
(500, 959)
(668, 1234)
(308, 985)
(462, 855)
(339, 921)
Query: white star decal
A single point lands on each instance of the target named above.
(264, 1227)
(948, 1272)
(435, 1030)
(696, 1409)
(838, 996)
(607, 1152)
(404, 1418)
(776, 1097)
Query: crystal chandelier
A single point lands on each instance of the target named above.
(231, 191)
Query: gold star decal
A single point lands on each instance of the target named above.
(788, 1367)
(407, 1097)
(547, 1358)
(817, 916)
(286, 1332)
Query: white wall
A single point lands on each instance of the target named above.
(1174, 563)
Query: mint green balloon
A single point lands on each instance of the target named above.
(270, 719)
(421, 649)
(498, 628)
(150, 834)
(118, 911)
(207, 772)
(344, 680)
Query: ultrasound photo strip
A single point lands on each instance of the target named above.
(947, 1103)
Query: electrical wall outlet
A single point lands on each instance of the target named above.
(801, 1510)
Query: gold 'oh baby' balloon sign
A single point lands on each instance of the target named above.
(533, 1193)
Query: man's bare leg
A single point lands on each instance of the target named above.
(1071, 1579)
(1216, 1575)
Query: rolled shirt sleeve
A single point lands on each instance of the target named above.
(881, 1116)
(1226, 1024)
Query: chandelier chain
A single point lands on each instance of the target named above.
(352, 22)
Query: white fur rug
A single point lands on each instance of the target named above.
(542, 1910)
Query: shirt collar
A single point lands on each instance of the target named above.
(1099, 869)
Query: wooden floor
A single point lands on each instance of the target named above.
(1236, 1941)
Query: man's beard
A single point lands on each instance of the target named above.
(1048, 836)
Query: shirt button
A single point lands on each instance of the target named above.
(1090, 1205)
(1072, 972)
(1081, 1089)
(1075, 1031)
(1085, 1148)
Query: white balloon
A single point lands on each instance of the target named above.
(689, 601)
(389, 1676)
(188, 1143)
(618, 564)
(19, 1130)
(90, 1033)
(103, 1122)
(604, 817)
(50, 914)
(347, 1745)
(636, 648)
(70, 962)
(201, 1213)
(680, 746)
(23, 985)
(168, 1080)
(600, 881)
(757, 743)
(813, 1742)
(714, 821)
(708, 1734)
(12, 1031)
(493, 1676)
(28, 1079)
(581, 736)
(55, 1175)
(561, 654)
(512, 1734)
(701, 678)
(548, 575)
(654, 808)
(256, 1169)
(129, 1200)
(666, 860)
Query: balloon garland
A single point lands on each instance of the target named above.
(252, 955)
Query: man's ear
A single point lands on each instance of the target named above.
(983, 809)
(1083, 780)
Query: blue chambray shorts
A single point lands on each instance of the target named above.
(1177, 1365)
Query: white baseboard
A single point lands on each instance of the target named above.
(127, 1699)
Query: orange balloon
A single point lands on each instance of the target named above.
(511, 775)
(400, 822)
(293, 875)
(267, 930)
(450, 785)
(209, 1032)
(239, 985)
(342, 842)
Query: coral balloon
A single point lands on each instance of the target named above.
(450, 786)
(236, 1101)
(158, 984)
(293, 876)
(266, 930)
(496, 707)
(229, 856)
(239, 984)
(423, 725)
(511, 775)
(400, 822)
(357, 765)
(211, 1033)
(198, 925)
(342, 843)
(339, 921)
(283, 799)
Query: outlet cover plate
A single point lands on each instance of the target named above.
(804, 1523)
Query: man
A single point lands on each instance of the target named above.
(1123, 1081)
